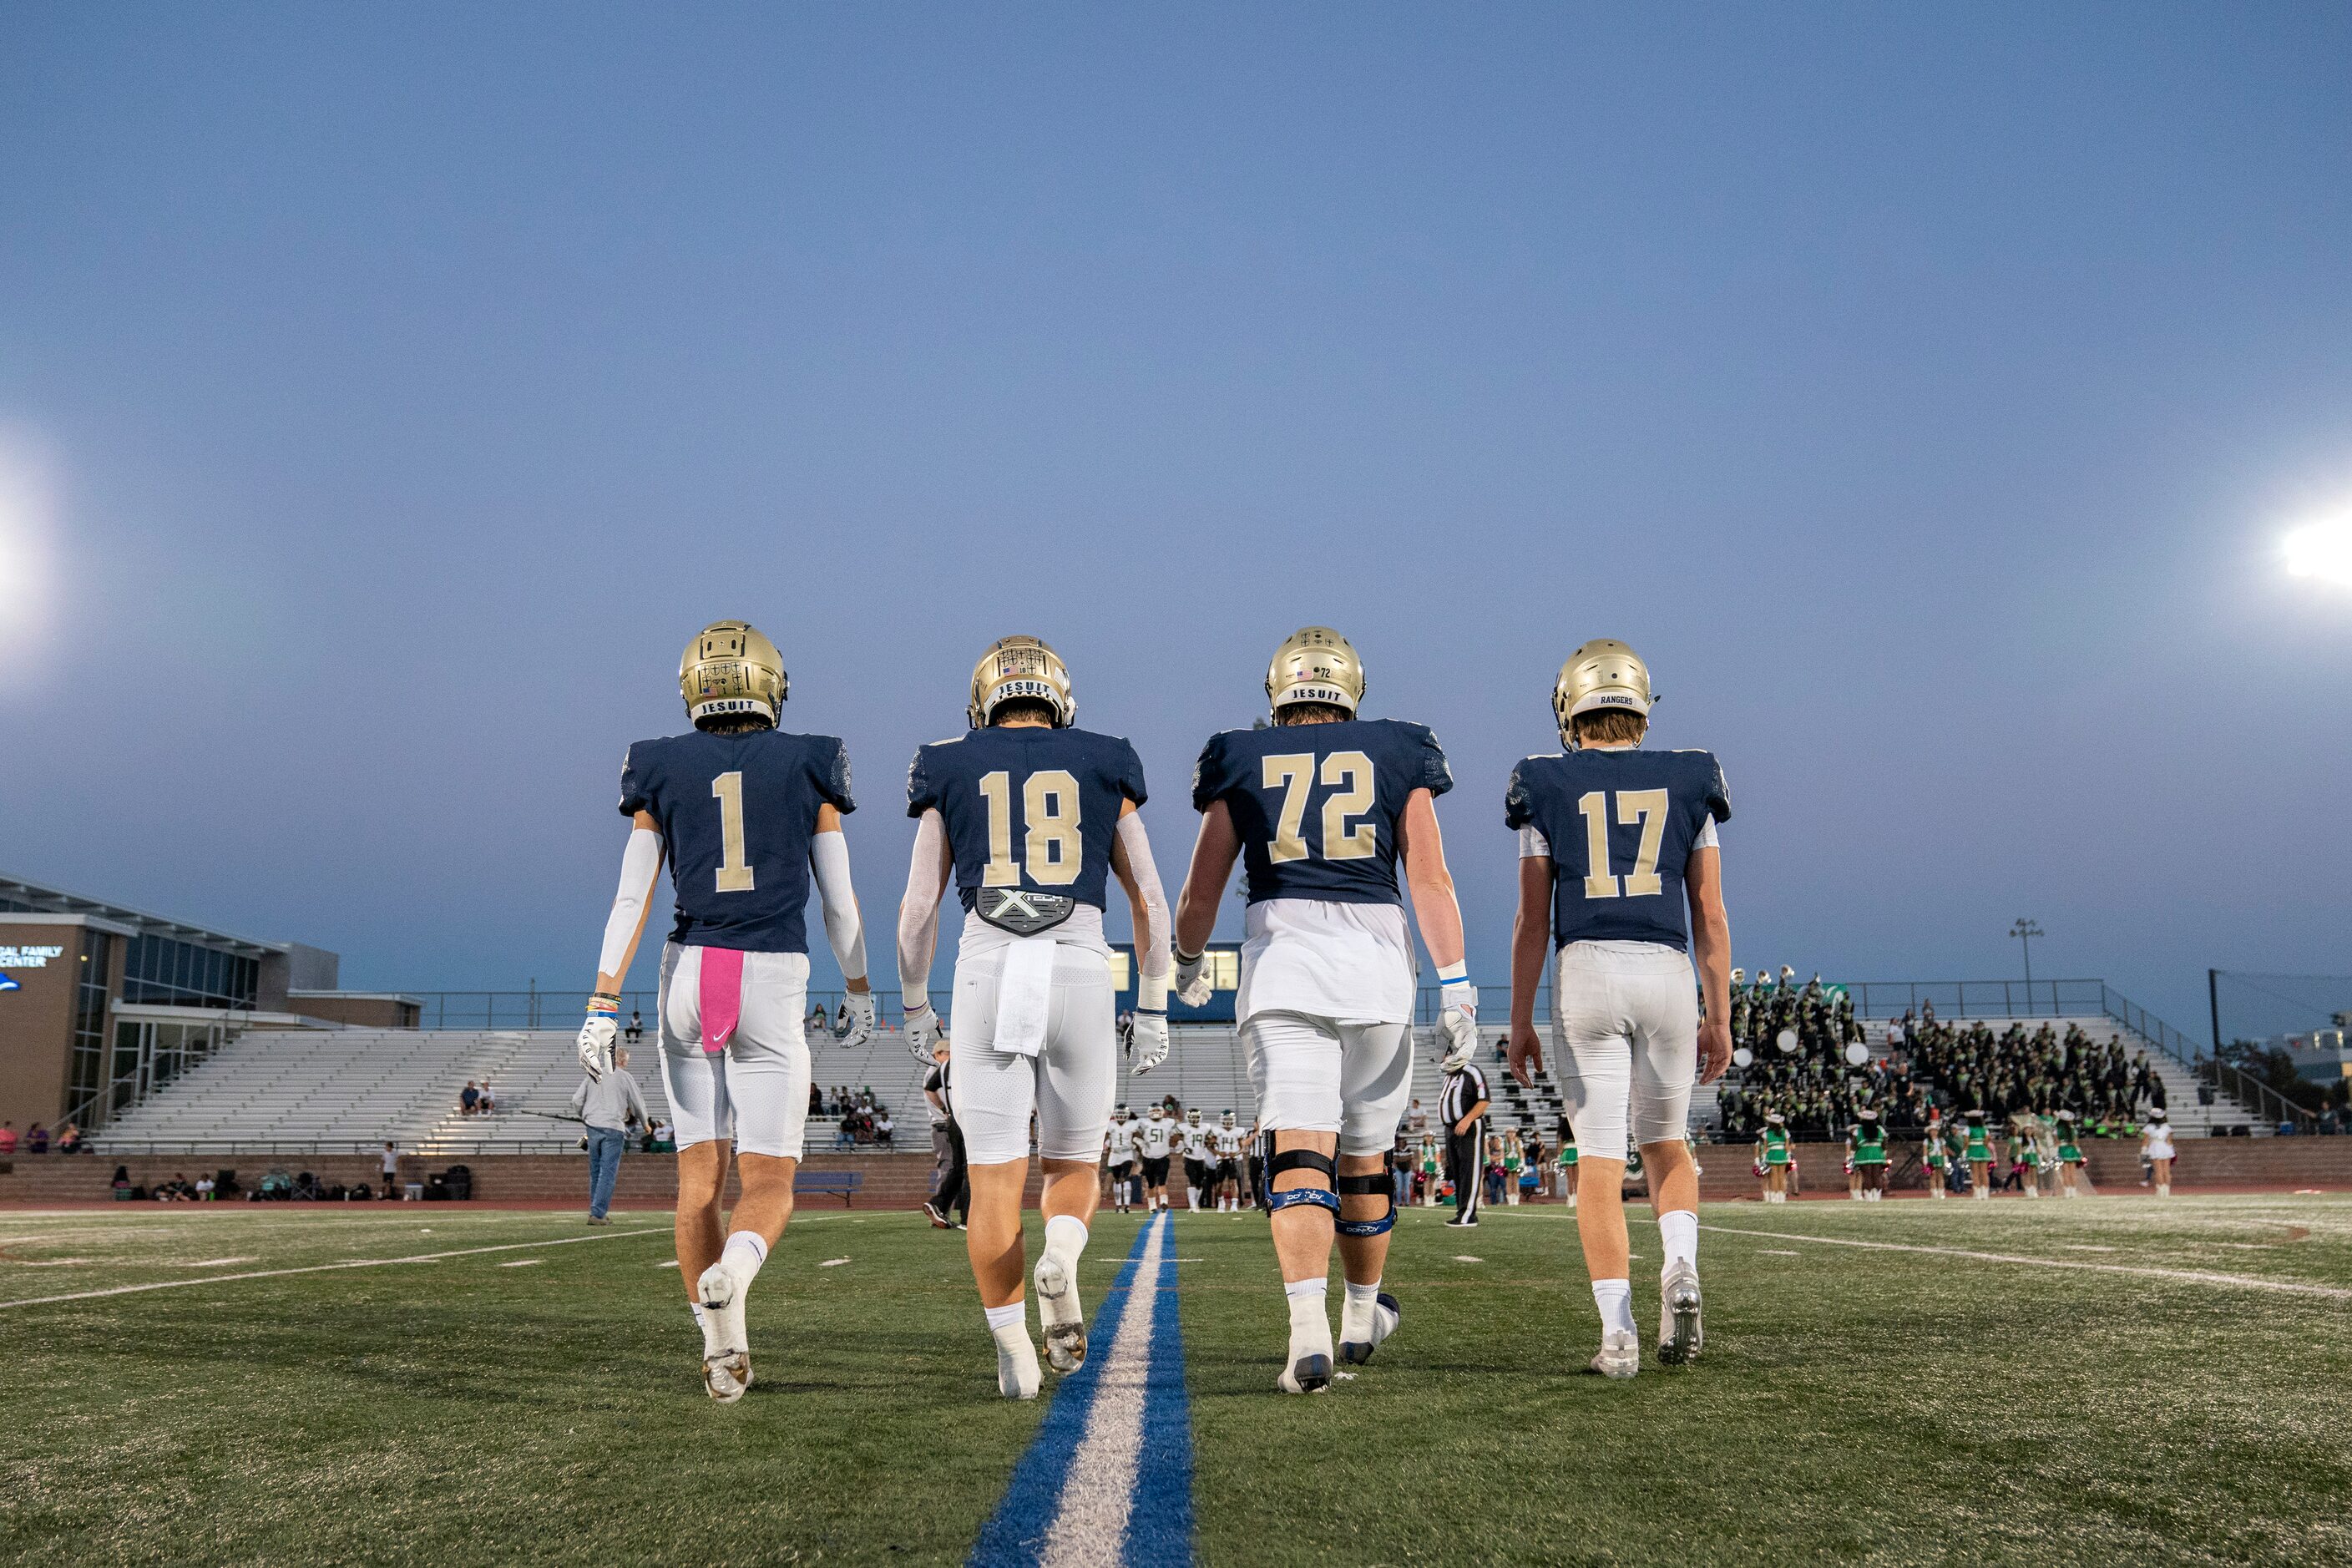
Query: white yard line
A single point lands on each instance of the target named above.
(326, 1268)
(1098, 1493)
(2187, 1276)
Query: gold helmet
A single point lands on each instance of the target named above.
(1316, 664)
(1024, 669)
(729, 667)
(1604, 673)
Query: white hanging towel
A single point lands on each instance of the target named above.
(1025, 995)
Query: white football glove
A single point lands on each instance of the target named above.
(596, 1037)
(1457, 1025)
(922, 1033)
(1191, 980)
(1147, 1040)
(861, 1018)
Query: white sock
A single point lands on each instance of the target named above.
(1362, 1295)
(1678, 1229)
(1011, 1315)
(1615, 1300)
(1296, 1288)
(1065, 1237)
(1311, 1320)
(744, 1254)
(708, 1323)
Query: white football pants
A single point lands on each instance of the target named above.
(1626, 1014)
(1312, 1075)
(1071, 1082)
(756, 1090)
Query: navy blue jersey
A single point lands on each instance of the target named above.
(1622, 826)
(1316, 804)
(737, 813)
(1028, 808)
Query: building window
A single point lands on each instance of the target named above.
(86, 1071)
(162, 971)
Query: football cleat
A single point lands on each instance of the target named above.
(1057, 1310)
(1680, 1334)
(1620, 1356)
(1017, 1366)
(1308, 1374)
(726, 1376)
(1358, 1339)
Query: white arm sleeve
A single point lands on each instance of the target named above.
(1152, 930)
(640, 864)
(918, 913)
(829, 859)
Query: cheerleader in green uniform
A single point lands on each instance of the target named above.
(1515, 1160)
(1567, 1162)
(2025, 1152)
(1935, 1156)
(1429, 1172)
(1977, 1150)
(1868, 1142)
(1772, 1154)
(2070, 1157)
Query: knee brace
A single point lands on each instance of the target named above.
(1299, 1159)
(1378, 1183)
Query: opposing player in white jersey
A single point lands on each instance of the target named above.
(1118, 1156)
(1154, 1139)
(1194, 1142)
(746, 814)
(1323, 806)
(1031, 818)
(1614, 842)
(1225, 1166)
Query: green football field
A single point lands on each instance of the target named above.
(2112, 1379)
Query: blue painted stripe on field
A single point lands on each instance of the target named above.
(1160, 1530)
(1014, 1535)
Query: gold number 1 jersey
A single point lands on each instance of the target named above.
(1316, 808)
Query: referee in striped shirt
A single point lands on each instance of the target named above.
(1463, 1106)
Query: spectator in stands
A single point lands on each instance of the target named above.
(203, 1189)
(36, 1139)
(816, 1101)
(1416, 1120)
(470, 1101)
(489, 1102)
(637, 1030)
(884, 1129)
(665, 1141)
(8, 1137)
(815, 1023)
(390, 1167)
(607, 1105)
(70, 1139)
(846, 1137)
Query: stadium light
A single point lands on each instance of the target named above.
(2322, 549)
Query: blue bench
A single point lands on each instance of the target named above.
(843, 1183)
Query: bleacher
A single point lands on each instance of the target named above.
(337, 1090)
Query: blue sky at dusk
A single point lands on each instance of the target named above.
(387, 392)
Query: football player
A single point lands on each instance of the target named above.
(1031, 818)
(1614, 843)
(1155, 1138)
(1196, 1142)
(746, 814)
(1119, 1155)
(1323, 806)
(1225, 1174)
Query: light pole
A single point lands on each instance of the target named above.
(2025, 930)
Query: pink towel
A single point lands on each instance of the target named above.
(722, 996)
